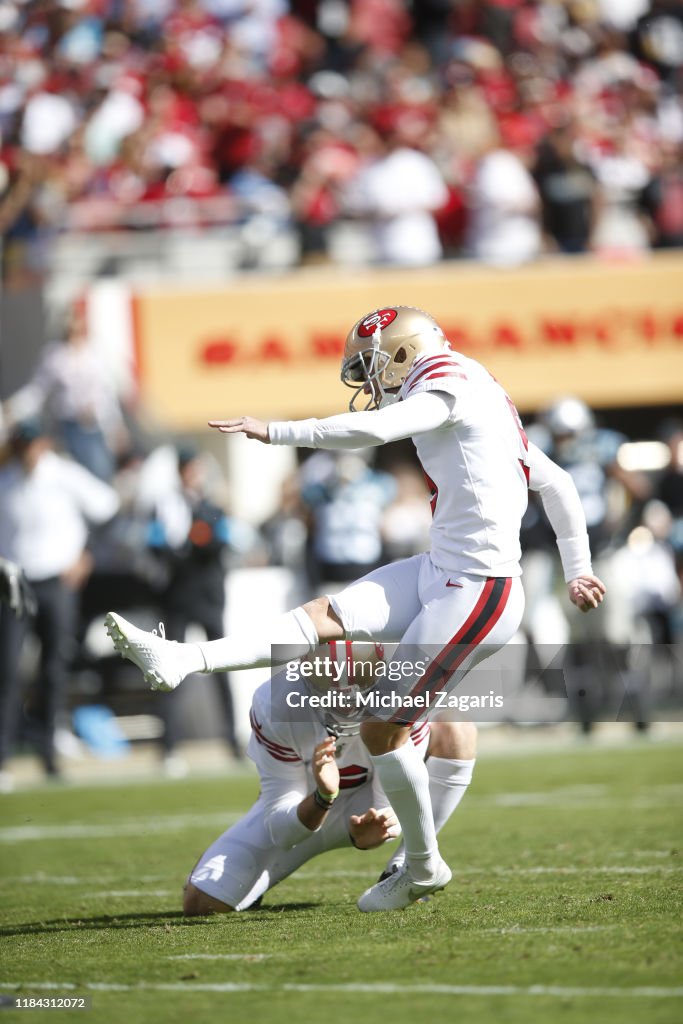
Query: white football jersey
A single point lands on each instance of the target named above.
(283, 738)
(476, 466)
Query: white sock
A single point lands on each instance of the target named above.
(293, 632)
(448, 782)
(403, 776)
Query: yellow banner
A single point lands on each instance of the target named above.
(612, 334)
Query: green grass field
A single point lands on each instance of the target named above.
(565, 904)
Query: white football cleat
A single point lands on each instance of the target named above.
(158, 659)
(400, 889)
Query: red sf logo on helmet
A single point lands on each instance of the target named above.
(381, 318)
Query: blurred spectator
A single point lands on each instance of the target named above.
(670, 484)
(194, 535)
(397, 192)
(346, 498)
(658, 37)
(49, 118)
(568, 189)
(669, 491)
(327, 164)
(598, 663)
(659, 588)
(504, 207)
(73, 391)
(286, 531)
(663, 197)
(589, 454)
(46, 505)
(21, 180)
(264, 205)
(407, 518)
(622, 225)
(128, 570)
(466, 124)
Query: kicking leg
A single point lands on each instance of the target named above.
(379, 606)
(166, 663)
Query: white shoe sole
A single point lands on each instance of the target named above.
(116, 627)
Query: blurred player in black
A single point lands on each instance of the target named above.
(604, 671)
(194, 538)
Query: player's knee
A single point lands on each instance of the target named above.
(453, 740)
(197, 904)
(382, 737)
(327, 623)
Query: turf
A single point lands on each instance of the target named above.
(565, 905)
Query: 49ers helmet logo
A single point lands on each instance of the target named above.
(381, 318)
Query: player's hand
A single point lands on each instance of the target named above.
(324, 767)
(256, 429)
(373, 828)
(586, 592)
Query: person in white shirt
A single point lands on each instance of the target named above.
(504, 225)
(47, 503)
(457, 603)
(397, 194)
(73, 390)
(318, 790)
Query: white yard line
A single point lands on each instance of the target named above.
(560, 929)
(560, 799)
(116, 893)
(552, 869)
(585, 797)
(222, 956)
(40, 878)
(382, 988)
(596, 869)
(108, 830)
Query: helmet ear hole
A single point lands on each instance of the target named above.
(401, 355)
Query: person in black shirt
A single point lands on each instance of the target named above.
(569, 191)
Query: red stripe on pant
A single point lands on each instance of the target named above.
(483, 617)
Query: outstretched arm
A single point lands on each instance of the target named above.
(416, 415)
(563, 508)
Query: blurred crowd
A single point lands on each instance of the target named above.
(496, 129)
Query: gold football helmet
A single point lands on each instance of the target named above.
(382, 347)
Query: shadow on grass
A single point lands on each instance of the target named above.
(167, 919)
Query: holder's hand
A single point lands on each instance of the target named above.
(373, 828)
(324, 766)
